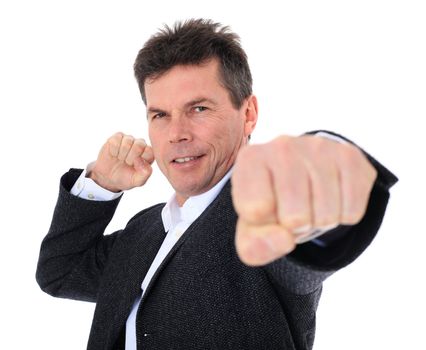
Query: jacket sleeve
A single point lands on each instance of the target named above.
(75, 250)
(304, 270)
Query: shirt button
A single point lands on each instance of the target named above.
(178, 233)
(90, 196)
(79, 185)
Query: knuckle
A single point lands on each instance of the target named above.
(283, 143)
(148, 151)
(326, 221)
(127, 141)
(351, 218)
(139, 145)
(350, 155)
(295, 221)
(136, 150)
(118, 134)
(354, 212)
(247, 154)
(140, 141)
(326, 214)
(246, 157)
(128, 138)
(320, 151)
(321, 146)
(115, 139)
(256, 211)
(372, 174)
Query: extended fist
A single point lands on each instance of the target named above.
(285, 188)
(123, 163)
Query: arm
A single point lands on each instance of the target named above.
(75, 250)
(309, 264)
(362, 188)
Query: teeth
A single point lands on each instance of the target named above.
(183, 160)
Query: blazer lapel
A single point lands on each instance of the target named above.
(124, 286)
(222, 200)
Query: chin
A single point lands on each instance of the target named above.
(188, 190)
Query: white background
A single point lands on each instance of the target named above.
(355, 67)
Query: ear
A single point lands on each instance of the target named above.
(251, 110)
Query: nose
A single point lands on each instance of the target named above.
(179, 129)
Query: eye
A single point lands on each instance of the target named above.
(158, 115)
(199, 109)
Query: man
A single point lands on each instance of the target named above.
(210, 270)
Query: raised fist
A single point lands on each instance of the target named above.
(123, 163)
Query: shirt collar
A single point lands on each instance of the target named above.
(172, 214)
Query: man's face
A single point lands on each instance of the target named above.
(194, 129)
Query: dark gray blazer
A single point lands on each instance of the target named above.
(202, 296)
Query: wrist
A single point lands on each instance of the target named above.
(92, 174)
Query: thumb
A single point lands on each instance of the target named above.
(261, 244)
(148, 154)
(143, 171)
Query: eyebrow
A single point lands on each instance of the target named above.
(200, 100)
(154, 110)
(186, 105)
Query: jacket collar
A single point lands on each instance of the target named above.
(193, 207)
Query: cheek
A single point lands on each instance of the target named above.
(229, 127)
(156, 146)
(233, 132)
(156, 154)
(224, 141)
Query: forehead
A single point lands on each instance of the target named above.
(183, 83)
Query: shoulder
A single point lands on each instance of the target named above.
(151, 212)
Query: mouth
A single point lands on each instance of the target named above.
(188, 159)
